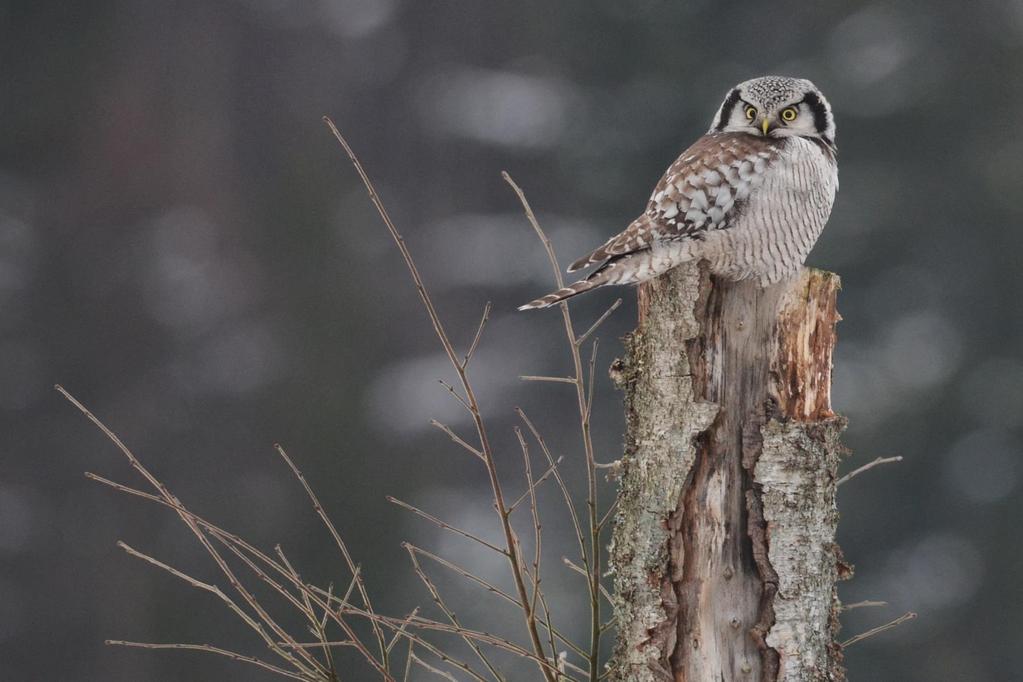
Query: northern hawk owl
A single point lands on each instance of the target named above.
(750, 196)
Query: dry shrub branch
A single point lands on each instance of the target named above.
(348, 619)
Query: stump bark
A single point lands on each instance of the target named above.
(724, 549)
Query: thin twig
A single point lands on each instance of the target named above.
(476, 339)
(562, 486)
(867, 466)
(429, 668)
(909, 615)
(477, 635)
(536, 484)
(439, 601)
(490, 587)
(209, 649)
(326, 611)
(304, 589)
(600, 320)
(408, 662)
(454, 393)
(511, 549)
(535, 511)
(592, 383)
(200, 535)
(593, 565)
(396, 625)
(582, 571)
(342, 547)
(553, 380)
(397, 635)
(317, 627)
(455, 438)
(446, 526)
(234, 543)
(317, 645)
(863, 604)
(609, 514)
(351, 586)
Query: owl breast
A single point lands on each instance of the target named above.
(782, 219)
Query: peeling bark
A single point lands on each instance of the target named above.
(724, 547)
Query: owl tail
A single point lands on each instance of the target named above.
(568, 292)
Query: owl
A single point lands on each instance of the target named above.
(750, 197)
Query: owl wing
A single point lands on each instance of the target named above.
(705, 189)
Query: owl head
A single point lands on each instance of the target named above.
(777, 106)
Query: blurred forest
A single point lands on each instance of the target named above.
(183, 246)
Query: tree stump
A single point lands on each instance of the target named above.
(724, 549)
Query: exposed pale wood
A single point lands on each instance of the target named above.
(724, 554)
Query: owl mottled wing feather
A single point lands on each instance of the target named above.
(705, 189)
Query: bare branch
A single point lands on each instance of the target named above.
(429, 668)
(566, 495)
(909, 615)
(454, 394)
(454, 437)
(868, 466)
(482, 637)
(494, 590)
(511, 550)
(592, 383)
(234, 543)
(553, 380)
(415, 639)
(408, 662)
(200, 535)
(863, 604)
(583, 572)
(537, 535)
(230, 603)
(600, 320)
(476, 339)
(536, 484)
(439, 601)
(397, 635)
(437, 522)
(307, 593)
(316, 645)
(609, 514)
(342, 547)
(531, 217)
(213, 650)
(462, 572)
(593, 563)
(317, 627)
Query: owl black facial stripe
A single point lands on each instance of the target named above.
(726, 109)
(820, 113)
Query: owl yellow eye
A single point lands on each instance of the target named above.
(789, 114)
(751, 113)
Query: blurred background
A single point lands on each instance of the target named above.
(184, 247)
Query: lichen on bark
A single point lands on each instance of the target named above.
(663, 416)
(723, 551)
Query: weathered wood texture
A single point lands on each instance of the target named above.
(724, 550)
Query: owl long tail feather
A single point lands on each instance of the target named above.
(583, 262)
(561, 294)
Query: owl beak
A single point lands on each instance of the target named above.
(765, 125)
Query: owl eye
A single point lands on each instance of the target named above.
(751, 113)
(789, 114)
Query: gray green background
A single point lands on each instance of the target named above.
(183, 246)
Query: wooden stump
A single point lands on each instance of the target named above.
(724, 548)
